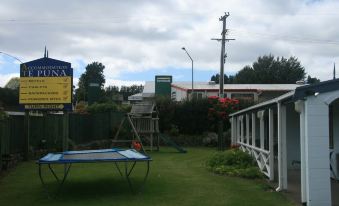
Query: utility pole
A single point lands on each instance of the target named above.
(223, 55)
(334, 70)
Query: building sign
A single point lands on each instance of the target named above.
(163, 85)
(46, 84)
(37, 90)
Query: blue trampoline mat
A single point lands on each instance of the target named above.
(94, 156)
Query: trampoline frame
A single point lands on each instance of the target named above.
(67, 166)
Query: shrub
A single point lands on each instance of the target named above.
(210, 139)
(102, 107)
(174, 131)
(3, 115)
(81, 107)
(234, 162)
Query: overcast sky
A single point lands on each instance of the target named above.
(138, 39)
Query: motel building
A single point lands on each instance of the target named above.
(180, 91)
(294, 139)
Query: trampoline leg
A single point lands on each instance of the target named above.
(127, 176)
(118, 168)
(145, 178)
(66, 172)
(52, 171)
(128, 173)
(43, 182)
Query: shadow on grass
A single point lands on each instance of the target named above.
(87, 189)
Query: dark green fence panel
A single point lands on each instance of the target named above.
(80, 128)
(5, 136)
(46, 131)
(52, 135)
(36, 131)
(101, 126)
(16, 138)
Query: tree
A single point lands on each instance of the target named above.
(111, 94)
(270, 70)
(13, 83)
(126, 91)
(9, 95)
(246, 75)
(94, 74)
(227, 79)
(312, 80)
(9, 98)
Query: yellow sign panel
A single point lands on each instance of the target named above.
(40, 90)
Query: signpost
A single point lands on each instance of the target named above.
(47, 85)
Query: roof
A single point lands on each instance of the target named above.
(149, 88)
(307, 90)
(137, 96)
(281, 98)
(297, 94)
(257, 87)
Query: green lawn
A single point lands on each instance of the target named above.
(175, 179)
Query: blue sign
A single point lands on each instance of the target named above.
(46, 67)
(47, 71)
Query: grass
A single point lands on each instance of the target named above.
(175, 179)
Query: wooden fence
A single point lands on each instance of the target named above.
(47, 132)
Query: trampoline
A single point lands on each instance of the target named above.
(128, 157)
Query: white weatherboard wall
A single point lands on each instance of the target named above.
(335, 136)
(318, 186)
(179, 94)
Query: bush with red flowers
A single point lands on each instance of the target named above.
(220, 108)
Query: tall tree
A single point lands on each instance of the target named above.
(312, 80)
(94, 73)
(126, 91)
(13, 83)
(227, 79)
(270, 70)
(246, 75)
(111, 93)
(9, 98)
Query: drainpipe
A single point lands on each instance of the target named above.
(279, 188)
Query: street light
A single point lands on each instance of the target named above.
(192, 67)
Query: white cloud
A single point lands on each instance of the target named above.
(129, 36)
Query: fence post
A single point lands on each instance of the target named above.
(1, 142)
(26, 135)
(65, 131)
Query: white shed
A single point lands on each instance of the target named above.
(295, 140)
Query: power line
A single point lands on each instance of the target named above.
(275, 36)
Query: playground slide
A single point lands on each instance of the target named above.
(170, 142)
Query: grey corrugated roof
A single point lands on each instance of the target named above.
(137, 96)
(307, 90)
(265, 87)
(266, 103)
